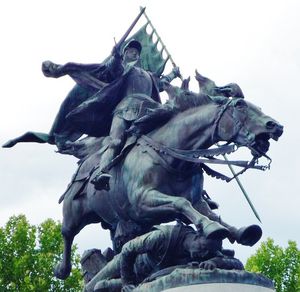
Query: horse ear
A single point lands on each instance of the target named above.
(206, 85)
(236, 91)
(185, 83)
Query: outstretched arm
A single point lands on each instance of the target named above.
(107, 71)
(146, 243)
(54, 70)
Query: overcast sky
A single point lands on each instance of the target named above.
(253, 43)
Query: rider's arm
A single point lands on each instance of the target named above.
(168, 78)
(146, 243)
(54, 70)
(107, 71)
(113, 64)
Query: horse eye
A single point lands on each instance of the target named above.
(240, 103)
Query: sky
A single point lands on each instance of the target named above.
(252, 43)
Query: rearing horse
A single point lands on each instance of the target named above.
(150, 187)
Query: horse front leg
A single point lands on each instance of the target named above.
(248, 235)
(158, 205)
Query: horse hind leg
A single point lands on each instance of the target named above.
(157, 205)
(63, 268)
(76, 215)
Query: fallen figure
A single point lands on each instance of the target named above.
(164, 247)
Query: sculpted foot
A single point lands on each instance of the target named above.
(248, 235)
(101, 181)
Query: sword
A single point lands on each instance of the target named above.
(242, 189)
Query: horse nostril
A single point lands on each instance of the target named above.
(270, 125)
(279, 130)
(274, 128)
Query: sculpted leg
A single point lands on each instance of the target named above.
(157, 205)
(76, 215)
(63, 269)
(112, 285)
(248, 235)
(117, 135)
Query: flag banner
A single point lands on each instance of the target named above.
(151, 58)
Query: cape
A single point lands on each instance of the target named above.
(94, 116)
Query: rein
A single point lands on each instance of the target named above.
(203, 156)
(194, 155)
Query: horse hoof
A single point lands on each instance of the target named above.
(62, 272)
(249, 235)
(215, 231)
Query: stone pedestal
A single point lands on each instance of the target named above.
(220, 287)
(92, 261)
(198, 280)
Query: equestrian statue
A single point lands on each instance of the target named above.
(142, 162)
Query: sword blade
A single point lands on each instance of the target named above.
(243, 190)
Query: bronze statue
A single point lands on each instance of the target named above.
(142, 161)
(152, 185)
(163, 247)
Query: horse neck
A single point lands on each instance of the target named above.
(191, 129)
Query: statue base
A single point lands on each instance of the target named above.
(198, 280)
(217, 287)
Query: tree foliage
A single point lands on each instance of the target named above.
(28, 255)
(279, 264)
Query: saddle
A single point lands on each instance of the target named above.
(88, 164)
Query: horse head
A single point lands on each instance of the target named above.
(245, 124)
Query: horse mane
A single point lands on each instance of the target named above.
(180, 102)
(183, 99)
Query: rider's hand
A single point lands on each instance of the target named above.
(51, 69)
(116, 52)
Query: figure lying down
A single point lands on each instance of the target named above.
(163, 247)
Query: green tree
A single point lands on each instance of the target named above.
(28, 255)
(279, 264)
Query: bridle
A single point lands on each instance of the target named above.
(202, 157)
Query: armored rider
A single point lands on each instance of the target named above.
(139, 92)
